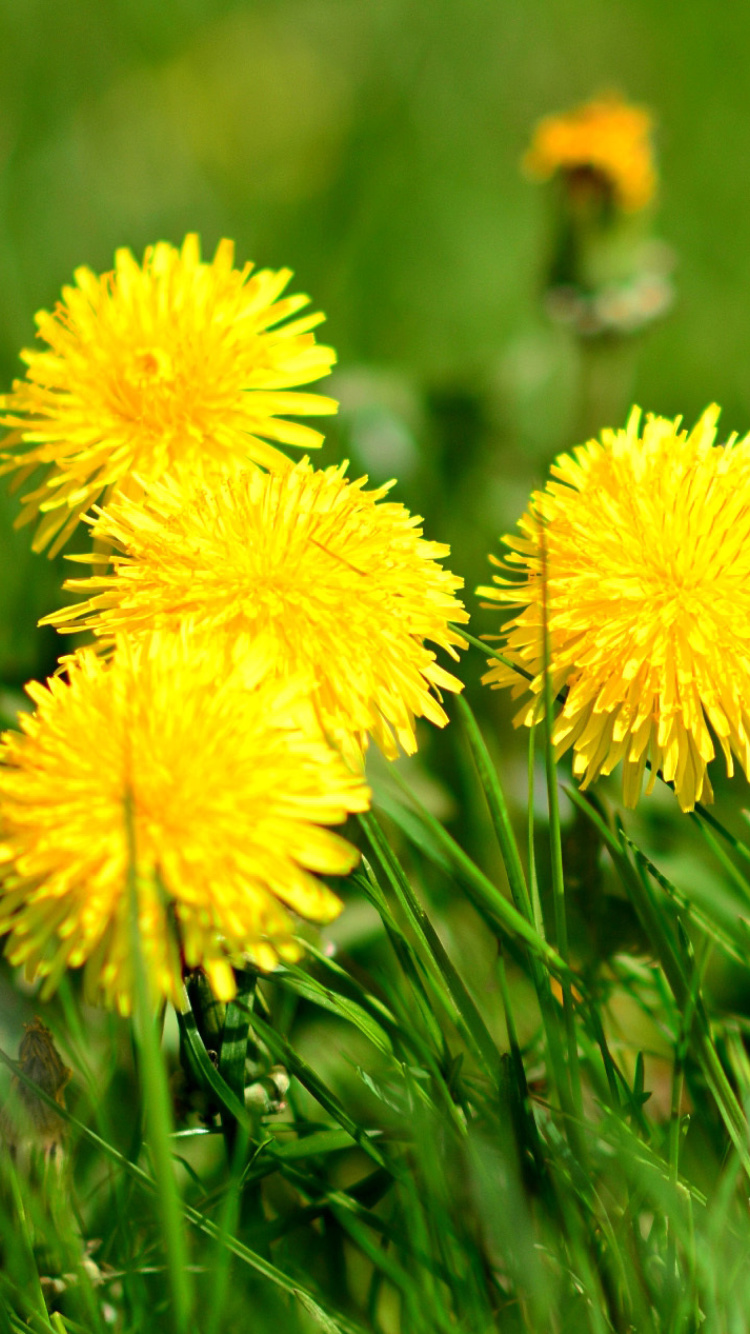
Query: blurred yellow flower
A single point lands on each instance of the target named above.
(645, 539)
(608, 137)
(172, 365)
(216, 792)
(341, 585)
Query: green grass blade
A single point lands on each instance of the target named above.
(344, 985)
(498, 809)
(667, 951)
(700, 813)
(470, 1021)
(416, 1317)
(466, 868)
(35, 1296)
(735, 875)
(283, 1051)
(503, 913)
(303, 984)
(730, 936)
(404, 952)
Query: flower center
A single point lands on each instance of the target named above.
(150, 364)
(155, 392)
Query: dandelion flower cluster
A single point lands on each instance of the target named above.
(638, 553)
(608, 137)
(174, 365)
(256, 621)
(216, 792)
(338, 581)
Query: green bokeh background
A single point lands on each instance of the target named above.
(373, 146)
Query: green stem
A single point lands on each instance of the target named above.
(491, 652)
(227, 1225)
(555, 836)
(158, 1108)
(531, 853)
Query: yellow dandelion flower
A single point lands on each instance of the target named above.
(645, 539)
(172, 365)
(608, 137)
(222, 788)
(342, 586)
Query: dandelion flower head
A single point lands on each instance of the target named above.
(608, 137)
(640, 548)
(338, 581)
(170, 365)
(214, 793)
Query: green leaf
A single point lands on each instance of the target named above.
(297, 980)
(234, 1033)
(207, 1072)
(321, 1142)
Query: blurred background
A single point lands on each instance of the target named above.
(373, 146)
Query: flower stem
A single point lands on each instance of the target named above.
(158, 1110)
(556, 861)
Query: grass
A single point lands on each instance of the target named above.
(465, 1143)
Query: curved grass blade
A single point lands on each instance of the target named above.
(492, 653)
(283, 1051)
(404, 952)
(485, 894)
(466, 869)
(345, 985)
(290, 975)
(468, 1017)
(498, 809)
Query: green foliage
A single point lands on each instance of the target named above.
(443, 1150)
